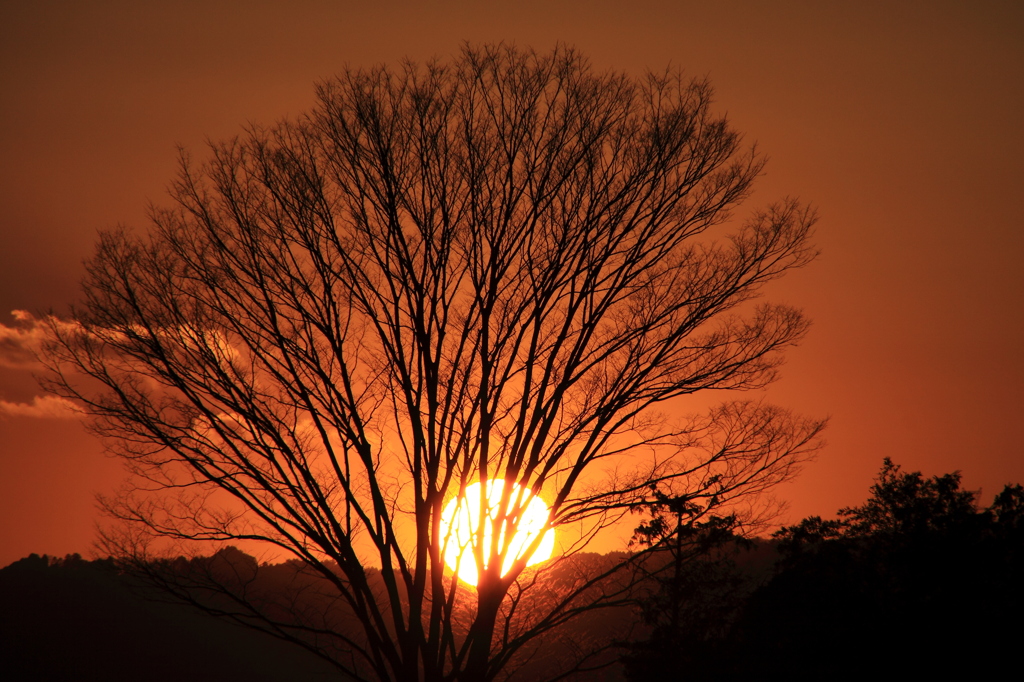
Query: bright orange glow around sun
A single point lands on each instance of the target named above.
(461, 518)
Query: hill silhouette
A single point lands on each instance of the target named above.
(72, 619)
(919, 581)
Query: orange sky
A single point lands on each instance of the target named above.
(899, 120)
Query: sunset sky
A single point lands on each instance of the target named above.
(899, 121)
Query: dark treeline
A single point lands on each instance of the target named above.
(73, 619)
(919, 580)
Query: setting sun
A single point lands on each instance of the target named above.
(460, 522)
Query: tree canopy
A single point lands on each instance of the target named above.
(508, 266)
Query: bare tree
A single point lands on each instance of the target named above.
(507, 267)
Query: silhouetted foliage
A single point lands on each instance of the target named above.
(917, 581)
(902, 508)
(694, 588)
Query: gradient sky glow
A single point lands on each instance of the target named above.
(900, 121)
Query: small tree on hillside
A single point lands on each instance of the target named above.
(508, 267)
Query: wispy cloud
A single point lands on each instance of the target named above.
(43, 407)
(19, 344)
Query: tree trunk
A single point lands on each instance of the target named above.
(482, 630)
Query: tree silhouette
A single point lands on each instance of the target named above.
(917, 581)
(694, 593)
(509, 267)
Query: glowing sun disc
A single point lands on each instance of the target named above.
(460, 521)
